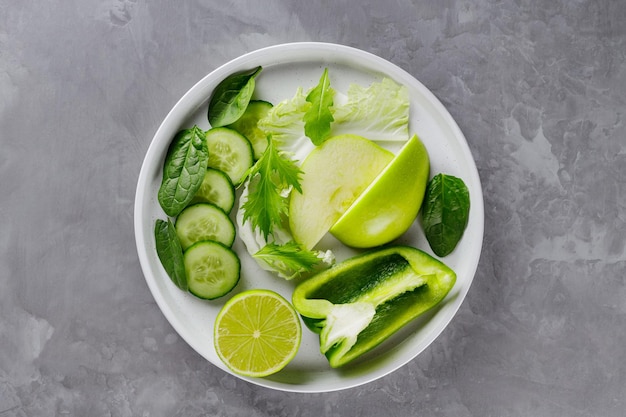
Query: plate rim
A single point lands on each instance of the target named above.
(185, 106)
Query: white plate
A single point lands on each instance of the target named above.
(285, 67)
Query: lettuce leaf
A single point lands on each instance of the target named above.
(285, 121)
(379, 112)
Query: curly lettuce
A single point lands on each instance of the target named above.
(379, 112)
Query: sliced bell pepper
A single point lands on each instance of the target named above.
(358, 303)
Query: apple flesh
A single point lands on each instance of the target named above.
(390, 204)
(334, 175)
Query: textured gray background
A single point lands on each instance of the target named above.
(538, 88)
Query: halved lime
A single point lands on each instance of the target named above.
(257, 333)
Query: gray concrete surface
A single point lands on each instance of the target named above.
(538, 88)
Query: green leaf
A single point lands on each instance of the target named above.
(231, 97)
(183, 170)
(170, 252)
(445, 213)
(284, 122)
(318, 117)
(378, 112)
(269, 177)
(291, 258)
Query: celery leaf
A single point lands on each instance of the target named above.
(290, 257)
(269, 177)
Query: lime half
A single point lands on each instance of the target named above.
(257, 333)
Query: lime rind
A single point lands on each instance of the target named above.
(257, 333)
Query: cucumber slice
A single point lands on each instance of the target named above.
(216, 189)
(247, 125)
(204, 222)
(230, 152)
(212, 269)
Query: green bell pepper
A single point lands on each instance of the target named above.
(358, 303)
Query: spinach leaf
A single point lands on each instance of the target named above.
(183, 171)
(318, 117)
(231, 97)
(170, 252)
(445, 213)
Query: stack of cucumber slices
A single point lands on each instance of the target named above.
(201, 172)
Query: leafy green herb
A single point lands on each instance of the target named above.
(318, 117)
(170, 252)
(269, 177)
(292, 259)
(445, 213)
(231, 97)
(183, 171)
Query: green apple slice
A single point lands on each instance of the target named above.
(334, 175)
(388, 207)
